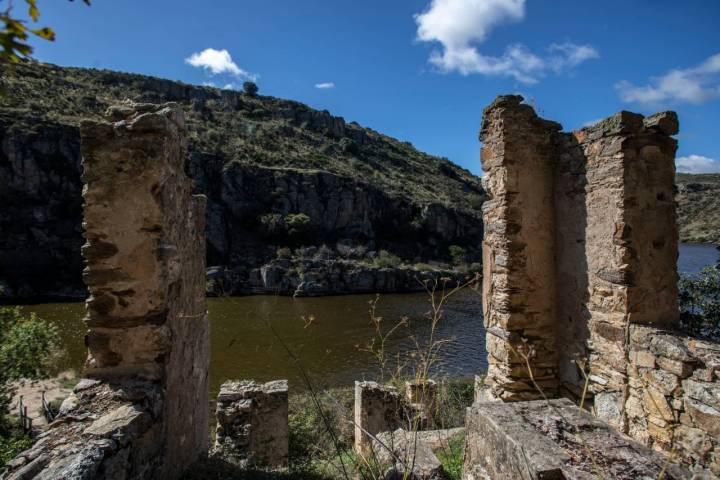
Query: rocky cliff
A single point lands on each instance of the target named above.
(278, 176)
(698, 198)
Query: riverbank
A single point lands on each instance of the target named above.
(312, 277)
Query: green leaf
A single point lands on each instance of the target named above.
(33, 10)
(45, 33)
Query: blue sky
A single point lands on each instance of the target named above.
(422, 70)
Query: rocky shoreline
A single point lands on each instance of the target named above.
(314, 277)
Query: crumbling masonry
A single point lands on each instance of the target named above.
(143, 412)
(579, 257)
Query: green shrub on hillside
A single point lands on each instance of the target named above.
(299, 225)
(386, 259)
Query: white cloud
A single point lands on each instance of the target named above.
(697, 85)
(217, 62)
(325, 85)
(697, 164)
(458, 25)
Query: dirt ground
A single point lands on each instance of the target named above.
(30, 391)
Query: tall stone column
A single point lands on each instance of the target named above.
(614, 186)
(143, 412)
(145, 259)
(519, 285)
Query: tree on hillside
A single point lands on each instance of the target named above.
(15, 33)
(250, 88)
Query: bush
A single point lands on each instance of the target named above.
(454, 396)
(458, 255)
(27, 345)
(699, 299)
(298, 225)
(386, 259)
(283, 253)
(272, 225)
(309, 440)
(250, 88)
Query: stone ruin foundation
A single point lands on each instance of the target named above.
(378, 408)
(142, 412)
(580, 278)
(554, 440)
(252, 423)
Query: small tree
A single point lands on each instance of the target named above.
(27, 347)
(250, 88)
(458, 255)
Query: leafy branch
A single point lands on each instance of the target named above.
(15, 33)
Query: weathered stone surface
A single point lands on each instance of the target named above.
(580, 280)
(144, 413)
(518, 255)
(252, 423)
(407, 457)
(538, 439)
(378, 408)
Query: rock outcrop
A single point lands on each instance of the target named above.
(260, 161)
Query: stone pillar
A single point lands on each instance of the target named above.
(378, 408)
(518, 249)
(618, 244)
(252, 423)
(421, 397)
(145, 267)
(144, 411)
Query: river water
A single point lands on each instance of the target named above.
(251, 336)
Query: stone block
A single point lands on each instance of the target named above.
(642, 358)
(665, 382)
(252, 423)
(403, 454)
(378, 408)
(144, 413)
(676, 367)
(704, 417)
(538, 439)
(657, 405)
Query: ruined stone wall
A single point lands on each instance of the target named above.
(518, 248)
(617, 248)
(610, 230)
(252, 423)
(673, 401)
(144, 414)
(378, 408)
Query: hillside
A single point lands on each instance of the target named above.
(278, 174)
(295, 195)
(698, 198)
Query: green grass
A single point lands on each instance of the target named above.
(453, 457)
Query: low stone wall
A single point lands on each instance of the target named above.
(252, 423)
(673, 401)
(378, 408)
(554, 440)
